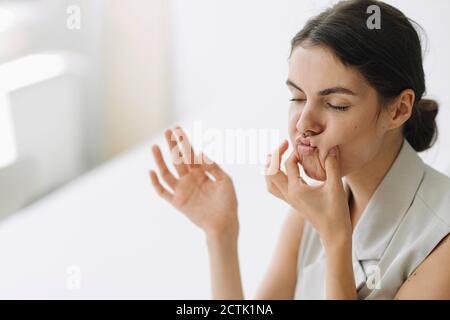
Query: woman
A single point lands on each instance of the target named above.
(357, 112)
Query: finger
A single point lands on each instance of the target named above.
(176, 155)
(280, 180)
(269, 168)
(159, 188)
(332, 167)
(273, 189)
(300, 164)
(163, 170)
(269, 156)
(186, 148)
(278, 154)
(293, 172)
(276, 157)
(291, 164)
(284, 146)
(212, 167)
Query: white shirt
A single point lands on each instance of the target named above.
(406, 217)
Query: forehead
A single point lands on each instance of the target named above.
(316, 68)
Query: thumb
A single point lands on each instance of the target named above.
(332, 167)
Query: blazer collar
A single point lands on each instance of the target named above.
(388, 205)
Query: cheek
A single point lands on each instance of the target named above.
(358, 145)
(338, 134)
(349, 137)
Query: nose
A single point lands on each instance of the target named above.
(309, 120)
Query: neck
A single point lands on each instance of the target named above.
(364, 182)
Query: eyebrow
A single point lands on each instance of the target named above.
(324, 92)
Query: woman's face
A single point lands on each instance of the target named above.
(335, 106)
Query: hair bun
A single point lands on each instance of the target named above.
(420, 130)
(428, 105)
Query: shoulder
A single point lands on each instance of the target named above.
(434, 192)
(431, 280)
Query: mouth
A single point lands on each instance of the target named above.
(304, 147)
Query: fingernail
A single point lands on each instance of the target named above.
(333, 151)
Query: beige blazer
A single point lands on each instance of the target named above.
(407, 216)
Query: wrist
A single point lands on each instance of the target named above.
(338, 244)
(223, 235)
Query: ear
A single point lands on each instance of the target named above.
(401, 109)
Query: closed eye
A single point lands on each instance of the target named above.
(336, 107)
(339, 108)
(298, 100)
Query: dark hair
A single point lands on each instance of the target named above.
(390, 58)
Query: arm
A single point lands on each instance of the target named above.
(209, 202)
(431, 280)
(326, 208)
(224, 265)
(281, 277)
(340, 278)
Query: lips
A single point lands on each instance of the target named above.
(304, 141)
(305, 147)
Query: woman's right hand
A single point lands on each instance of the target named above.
(210, 204)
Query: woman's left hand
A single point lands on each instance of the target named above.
(325, 206)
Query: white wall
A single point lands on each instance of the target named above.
(437, 68)
(137, 98)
